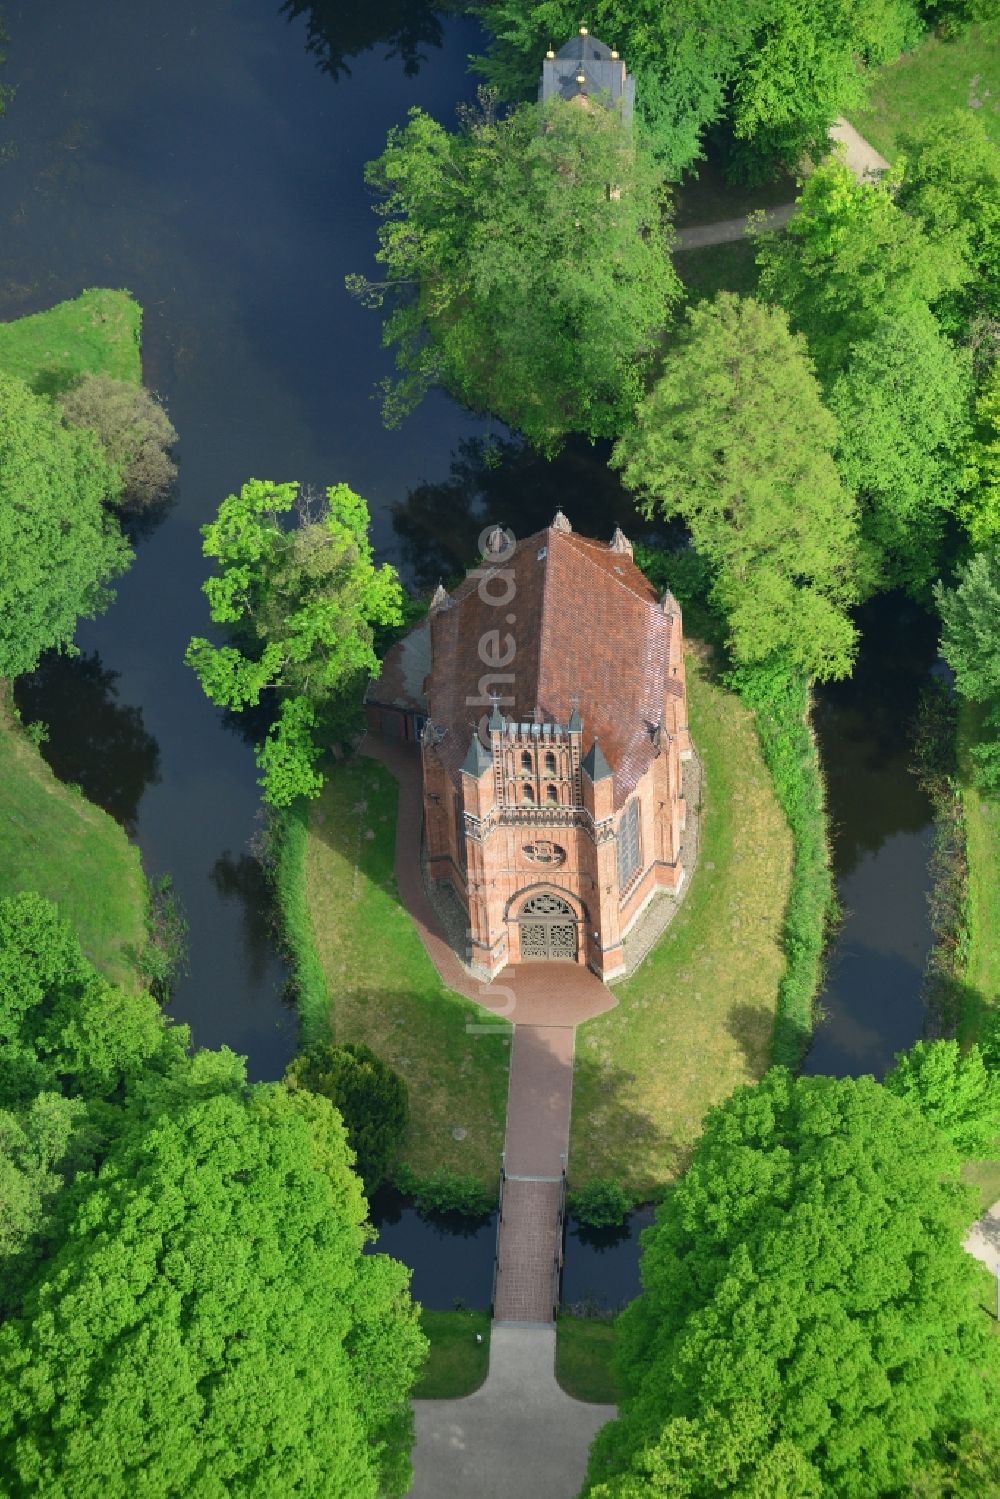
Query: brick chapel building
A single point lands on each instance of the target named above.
(548, 697)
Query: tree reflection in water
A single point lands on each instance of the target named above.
(503, 480)
(245, 880)
(339, 29)
(94, 741)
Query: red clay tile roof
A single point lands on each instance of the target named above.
(588, 631)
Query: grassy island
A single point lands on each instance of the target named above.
(97, 333)
(53, 841)
(384, 989)
(696, 1019)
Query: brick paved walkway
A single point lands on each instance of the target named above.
(530, 1251)
(538, 1100)
(545, 1002)
(520, 1433)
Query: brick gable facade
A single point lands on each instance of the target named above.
(552, 722)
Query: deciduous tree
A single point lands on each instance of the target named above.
(810, 1322)
(59, 546)
(970, 643)
(954, 1090)
(62, 1025)
(526, 267)
(209, 1324)
(132, 428)
(970, 619)
(778, 72)
(979, 506)
(302, 605)
(951, 183)
(850, 259)
(901, 406)
(735, 440)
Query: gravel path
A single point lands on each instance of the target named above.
(862, 158)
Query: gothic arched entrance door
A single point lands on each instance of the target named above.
(547, 928)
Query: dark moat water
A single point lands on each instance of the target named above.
(208, 155)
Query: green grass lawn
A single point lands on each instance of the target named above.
(456, 1364)
(712, 268)
(54, 841)
(384, 988)
(584, 1349)
(696, 1018)
(97, 333)
(934, 79)
(985, 1175)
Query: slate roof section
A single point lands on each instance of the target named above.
(595, 764)
(587, 630)
(602, 73)
(400, 683)
(478, 759)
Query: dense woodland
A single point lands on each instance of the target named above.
(810, 1323)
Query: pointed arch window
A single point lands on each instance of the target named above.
(550, 763)
(629, 849)
(551, 794)
(528, 794)
(525, 760)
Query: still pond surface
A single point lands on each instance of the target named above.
(209, 155)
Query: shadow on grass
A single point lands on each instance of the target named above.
(94, 741)
(617, 1130)
(752, 1027)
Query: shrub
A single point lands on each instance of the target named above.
(165, 957)
(602, 1203)
(371, 1097)
(935, 763)
(285, 856)
(133, 429)
(445, 1191)
(778, 696)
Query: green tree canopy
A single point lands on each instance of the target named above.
(526, 267)
(209, 1324)
(954, 1090)
(970, 619)
(951, 183)
(979, 507)
(779, 72)
(901, 406)
(970, 643)
(59, 546)
(62, 1025)
(735, 439)
(302, 605)
(371, 1098)
(41, 1145)
(682, 57)
(850, 259)
(810, 1322)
